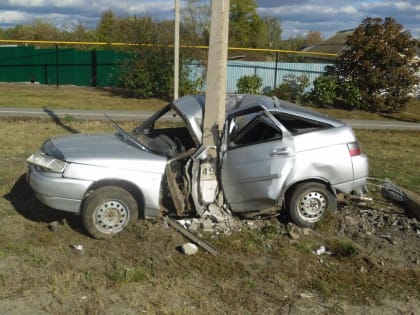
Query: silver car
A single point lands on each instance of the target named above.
(272, 155)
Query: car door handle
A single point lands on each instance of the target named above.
(279, 151)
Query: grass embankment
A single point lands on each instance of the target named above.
(26, 95)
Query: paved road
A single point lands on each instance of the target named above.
(141, 115)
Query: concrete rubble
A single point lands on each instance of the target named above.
(189, 249)
(357, 216)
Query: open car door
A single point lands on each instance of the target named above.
(258, 156)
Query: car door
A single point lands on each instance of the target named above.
(258, 156)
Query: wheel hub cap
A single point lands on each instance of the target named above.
(312, 206)
(112, 216)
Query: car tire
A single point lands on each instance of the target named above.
(107, 211)
(309, 203)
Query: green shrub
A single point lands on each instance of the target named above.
(193, 84)
(149, 74)
(350, 95)
(249, 84)
(324, 91)
(292, 89)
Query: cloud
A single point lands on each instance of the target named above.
(329, 16)
(297, 16)
(12, 17)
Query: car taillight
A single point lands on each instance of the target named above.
(354, 149)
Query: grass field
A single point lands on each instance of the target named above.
(259, 270)
(26, 95)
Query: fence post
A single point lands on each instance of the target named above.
(56, 66)
(94, 68)
(46, 73)
(275, 71)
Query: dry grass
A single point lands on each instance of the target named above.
(25, 95)
(256, 272)
(394, 155)
(411, 114)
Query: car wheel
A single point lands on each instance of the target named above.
(309, 203)
(107, 211)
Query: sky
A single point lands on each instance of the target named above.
(297, 17)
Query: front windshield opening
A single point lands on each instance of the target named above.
(166, 133)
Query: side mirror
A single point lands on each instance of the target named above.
(233, 127)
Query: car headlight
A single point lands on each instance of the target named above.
(46, 162)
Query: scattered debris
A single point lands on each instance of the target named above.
(306, 295)
(78, 248)
(296, 232)
(53, 226)
(293, 231)
(321, 251)
(208, 247)
(389, 239)
(359, 198)
(189, 249)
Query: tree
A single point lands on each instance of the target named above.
(244, 23)
(313, 37)
(377, 63)
(38, 30)
(80, 33)
(3, 34)
(195, 17)
(272, 31)
(106, 27)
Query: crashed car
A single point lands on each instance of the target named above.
(271, 156)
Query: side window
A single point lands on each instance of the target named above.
(252, 129)
(297, 125)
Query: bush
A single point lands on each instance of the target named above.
(191, 83)
(149, 74)
(292, 89)
(349, 95)
(328, 91)
(324, 91)
(249, 84)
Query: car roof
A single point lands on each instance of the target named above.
(192, 108)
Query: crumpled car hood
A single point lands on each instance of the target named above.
(107, 150)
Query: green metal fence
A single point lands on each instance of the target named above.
(60, 65)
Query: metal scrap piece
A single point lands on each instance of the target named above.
(203, 244)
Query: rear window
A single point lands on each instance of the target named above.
(298, 125)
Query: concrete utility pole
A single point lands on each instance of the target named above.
(176, 51)
(214, 115)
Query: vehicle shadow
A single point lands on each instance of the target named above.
(26, 204)
(58, 121)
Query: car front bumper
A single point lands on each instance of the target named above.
(56, 191)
